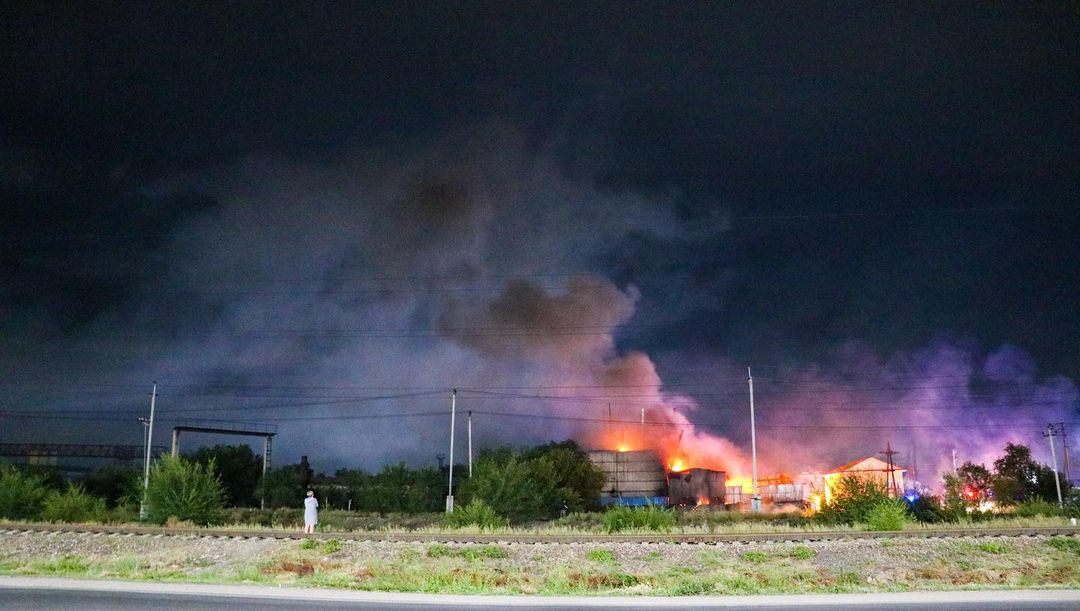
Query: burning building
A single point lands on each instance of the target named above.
(867, 469)
(696, 487)
(640, 478)
(633, 477)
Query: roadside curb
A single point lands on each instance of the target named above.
(455, 600)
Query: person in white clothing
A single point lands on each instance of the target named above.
(311, 512)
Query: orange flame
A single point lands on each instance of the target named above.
(703, 500)
(745, 483)
(677, 452)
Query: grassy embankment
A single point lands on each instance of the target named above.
(691, 523)
(621, 569)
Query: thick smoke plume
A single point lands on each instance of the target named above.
(327, 297)
(615, 401)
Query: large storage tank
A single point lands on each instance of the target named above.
(631, 475)
(697, 487)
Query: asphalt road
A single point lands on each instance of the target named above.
(37, 593)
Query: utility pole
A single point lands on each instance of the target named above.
(914, 463)
(954, 461)
(149, 442)
(470, 443)
(1050, 434)
(1065, 451)
(453, 420)
(891, 481)
(755, 500)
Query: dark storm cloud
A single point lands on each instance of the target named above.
(330, 274)
(326, 195)
(525, 322)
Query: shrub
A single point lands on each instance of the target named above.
(118, 486)
(889, 514)
(852, 499)
(928, 509)
(1037, 507)
(620, 518)
(21, 494)
(541, 483)
(121, 514)
(73, 505)
(476, 513)
(511, 486)
(238, 468)
(184, 490)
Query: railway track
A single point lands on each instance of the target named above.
(451, 537)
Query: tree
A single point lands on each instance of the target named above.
(512, 487)
(118, 486)
(239, 469)
(953, 501)
(976, 483)
(184, 490)
(541, 482)
(1045, 486)
(577, 480)
(1017, 477)
(1014, 475)
(398, 488)
(48, 475)
(21, 494)
(283, 487)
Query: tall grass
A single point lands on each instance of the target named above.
(1037, 507)
(619, 519)
(476, 513)
(73, 505)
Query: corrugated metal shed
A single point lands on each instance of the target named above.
(631, 474)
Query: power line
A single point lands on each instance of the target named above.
(1011, 424)
(73, 237)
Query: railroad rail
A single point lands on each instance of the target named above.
(526, 538)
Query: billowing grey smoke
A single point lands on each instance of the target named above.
(474, 263)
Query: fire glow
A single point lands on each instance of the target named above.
(680, 452)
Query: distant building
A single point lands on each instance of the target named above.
(870, 468)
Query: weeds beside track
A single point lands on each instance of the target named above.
(538, 538)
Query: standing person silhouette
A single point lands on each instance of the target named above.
(311, 512)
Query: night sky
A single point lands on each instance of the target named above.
(325, 216)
